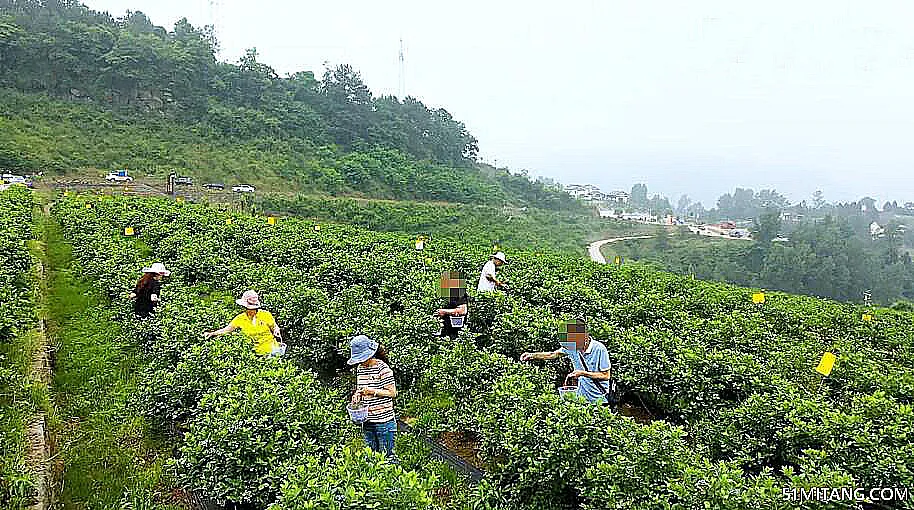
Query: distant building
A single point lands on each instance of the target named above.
(591, 193)
(876, 231)
(576, 190)
(639, 217)
(581, 191)
(620, 197)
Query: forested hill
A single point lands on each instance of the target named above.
(167, 98)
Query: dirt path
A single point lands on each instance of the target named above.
(594, 249)
(39, 443)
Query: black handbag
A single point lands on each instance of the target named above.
(612, 396)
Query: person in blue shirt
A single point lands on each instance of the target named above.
(589, 357)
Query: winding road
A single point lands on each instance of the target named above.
(594, 248)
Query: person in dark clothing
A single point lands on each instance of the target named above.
(148, 291)
(454, 314)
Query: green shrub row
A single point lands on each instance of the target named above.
(243, 424)
(307, 267)
(695, 351)
(18, 316)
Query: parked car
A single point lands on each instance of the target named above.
(185, 181)
(119, 176)
(243, 188)
(14, 179)
(214, 185)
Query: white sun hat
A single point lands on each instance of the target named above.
(159, 268)
(249, 300)
(500, 256)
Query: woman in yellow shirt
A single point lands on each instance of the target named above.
(258, 325)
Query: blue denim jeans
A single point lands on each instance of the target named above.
(380, 437)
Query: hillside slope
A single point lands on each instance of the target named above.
(509, 228)
(87, 91)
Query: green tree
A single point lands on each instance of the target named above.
(737, 205)
(695, 212)
(818, 200)
(868, 209)
(767, 226)
(682, 206)
(662, 240)
(347, 101)
(659, 205)
(770, 199)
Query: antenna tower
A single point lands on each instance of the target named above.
(215, 12)
(402, 84)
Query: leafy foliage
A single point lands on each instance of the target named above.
(17, 284)
(66, 49)
(354, 478)
(567, 229)
(248, 433)
(824, 259)
(702, 356)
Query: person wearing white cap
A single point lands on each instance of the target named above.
(148, 291)
(487, 280)
(258, 325)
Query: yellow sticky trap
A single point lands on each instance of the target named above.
(420, 245)
(495, 248)
(867, 317)
(88, 206)
(228, 221)
(271, 220)
(758, 298)
(66, 193)
(826, 364)
(180, 200)
(317, 228)
(128, 231)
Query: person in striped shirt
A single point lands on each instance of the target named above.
(375, 387)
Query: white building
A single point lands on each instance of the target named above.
(587, 192)
(591, 193)
(876, 231)
(618, 196)
(639, 217)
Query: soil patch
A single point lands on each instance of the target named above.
(464, 445)
(638, 413)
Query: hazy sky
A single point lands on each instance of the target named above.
(689, 97)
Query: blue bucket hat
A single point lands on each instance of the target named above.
(361, 349)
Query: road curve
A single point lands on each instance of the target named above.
(594, 248)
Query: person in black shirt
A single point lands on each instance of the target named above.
(148, 291)
(453, 315)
